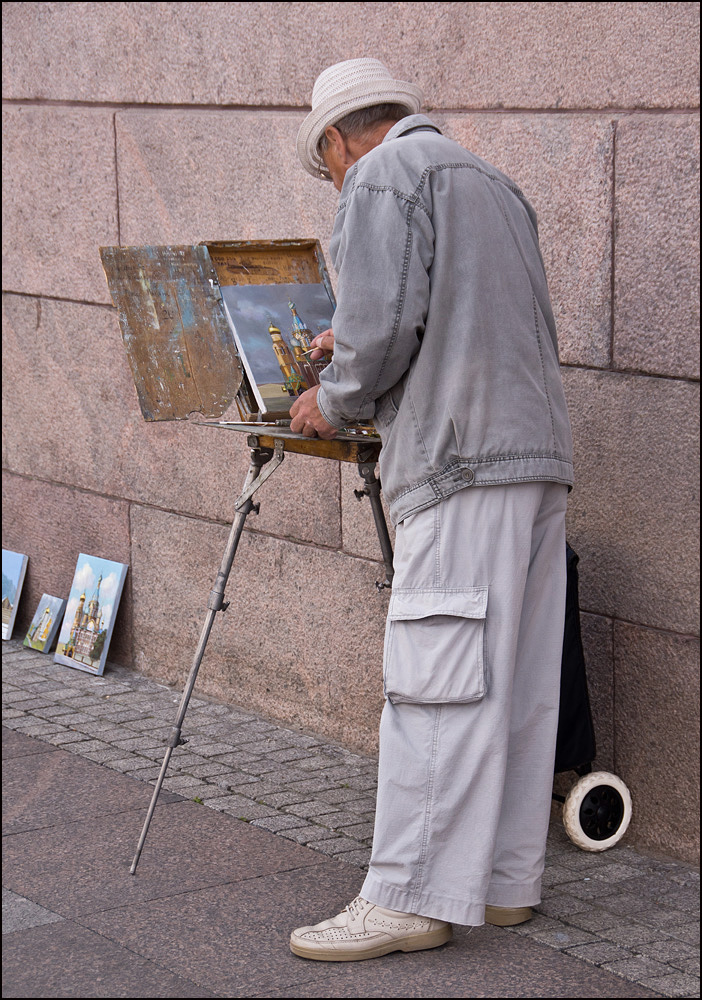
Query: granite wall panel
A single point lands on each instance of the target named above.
(657, 255)
(188, 176)
(633, 512)
(563, 164)
(59, 200)
(301, 642)
(513, 55)
(53, 524)
(657, 736)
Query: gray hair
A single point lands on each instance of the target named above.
(357, 123)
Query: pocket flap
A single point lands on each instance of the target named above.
(406, 605)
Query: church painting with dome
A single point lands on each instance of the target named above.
(273, 326)
(90, 613)
(44, 625)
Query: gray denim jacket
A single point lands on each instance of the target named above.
(443, 333)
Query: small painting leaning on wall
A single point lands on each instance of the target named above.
(14, 566)
(90, 613)
(45, 623)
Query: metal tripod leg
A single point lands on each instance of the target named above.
(243, 506)
(372, 489)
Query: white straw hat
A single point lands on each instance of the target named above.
(345, 87)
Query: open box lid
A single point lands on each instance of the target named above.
(179, 343)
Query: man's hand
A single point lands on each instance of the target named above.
(306, 418)
(324, 344)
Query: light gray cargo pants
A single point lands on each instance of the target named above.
(472, 670)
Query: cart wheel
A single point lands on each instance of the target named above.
(597, 811)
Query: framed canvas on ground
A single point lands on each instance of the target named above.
(90, 613)
(14, 566)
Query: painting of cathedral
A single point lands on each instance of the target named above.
(273, 326)
(14, 566)
(90, 613)
(45, 623)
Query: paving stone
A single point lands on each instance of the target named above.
(360, 831)
(126, 763)
(213, 792)
(149, 774)
(275, 822)
(631, 935)
(336, 795)
(213, 749)
(19, 913)
(208, 770)
(673, 986)
(234, 782)
(337, 820)
(308, 835)
(69, 736)
(311, 808)
(676, 953)
(34, 728)
(364, 782)
(311, 785)
(245, 809)
(259, 767)
(292, 753)
(593, 918)
(52, 712)
(20, 696)
(77, 719)
(557, 904)
(600, 952)
(33, 703)
(184, 783)
(103, 756)
(359, 857)
(594, 889)
(563, 936)
(659, 916)
(336, 845)
(637, 969)
(689, 932)
(145, 724)
(279, 799)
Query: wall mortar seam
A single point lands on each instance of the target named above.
(131, 502)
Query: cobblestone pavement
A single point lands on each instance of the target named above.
(627, 913)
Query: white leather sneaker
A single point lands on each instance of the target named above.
(507, 916)
(364, 930)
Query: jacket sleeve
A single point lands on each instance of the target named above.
(383, 248)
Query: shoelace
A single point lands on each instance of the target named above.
(356, 906)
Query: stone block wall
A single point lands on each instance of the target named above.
(139, 123)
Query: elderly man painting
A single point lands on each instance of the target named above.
(445, 337)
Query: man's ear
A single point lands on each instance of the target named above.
(338, 141)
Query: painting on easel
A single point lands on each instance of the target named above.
(273, 326)
(90, 613)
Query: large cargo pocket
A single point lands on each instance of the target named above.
(435, 646)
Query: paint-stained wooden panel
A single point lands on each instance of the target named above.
(269, 262)
(178, 341)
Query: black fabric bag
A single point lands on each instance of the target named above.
(575, 742)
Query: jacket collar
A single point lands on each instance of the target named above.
(410, 124)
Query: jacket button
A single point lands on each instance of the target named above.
(468, 475)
